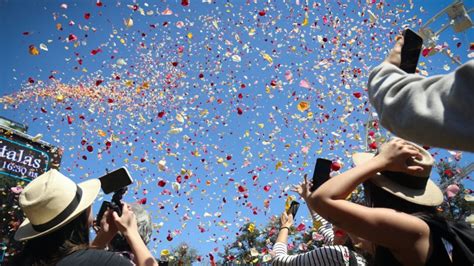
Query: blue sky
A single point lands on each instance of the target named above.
(207, 94)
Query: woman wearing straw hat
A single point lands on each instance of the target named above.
(401, 200)
(58, 217)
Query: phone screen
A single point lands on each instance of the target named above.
(293, 208)
(115, 180)
(410, 51)
(321, 172)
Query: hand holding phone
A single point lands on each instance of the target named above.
(117, 182)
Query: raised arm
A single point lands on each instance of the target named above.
(286, 222)
(435, 111)
(323, 227)
(378, 225)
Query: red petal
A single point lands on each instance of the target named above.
(357, 94)
(335, 166)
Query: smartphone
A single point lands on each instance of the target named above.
(293, 208)
(105, 205)
(321, 173)
(115, 180)
(410, 51)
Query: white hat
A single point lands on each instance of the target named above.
(51, 201)
(417, 188)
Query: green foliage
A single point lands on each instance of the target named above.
(183, 255)
(455, 208)
(240, 250)
(262, 240)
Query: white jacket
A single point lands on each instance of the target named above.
(435, 111)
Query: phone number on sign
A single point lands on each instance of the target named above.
(18, 169)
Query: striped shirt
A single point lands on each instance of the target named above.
(325, 229)
(329, 255)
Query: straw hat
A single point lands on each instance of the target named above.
(418, 188)
(51, 201)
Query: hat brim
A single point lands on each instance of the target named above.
(431, 195)
(90, 190)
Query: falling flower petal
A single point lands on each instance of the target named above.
(128, 22)
(303, 106)
(33, 50)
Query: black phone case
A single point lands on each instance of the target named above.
(410, 51)
(103, 208)
(321, 173)
(115, 180)
(294, 208)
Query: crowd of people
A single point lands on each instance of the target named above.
(397, 225)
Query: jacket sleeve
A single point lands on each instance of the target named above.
(435, 111)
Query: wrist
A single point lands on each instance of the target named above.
(101, 240)
(285, 227)
(128, 232)
(379, 163)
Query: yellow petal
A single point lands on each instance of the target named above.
(165, 252)
(33, 50)
(288, 201)
(267, 57)
(303, 106)
(101, 133)
(317, 224)
(59, 98)
(278, 165)
(305, 21)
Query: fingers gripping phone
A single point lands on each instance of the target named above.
(117, 182)
(410, 51)
(293, 208)
(321, 173)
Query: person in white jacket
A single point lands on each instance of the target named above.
(435, 111)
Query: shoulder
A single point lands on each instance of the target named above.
(338, 254)
(94, 257)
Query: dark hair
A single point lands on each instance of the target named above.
(51, 248)
(379, 198)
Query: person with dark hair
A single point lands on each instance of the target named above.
(337, 251)
(400, 217)
(435, 111)
(58, 217)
